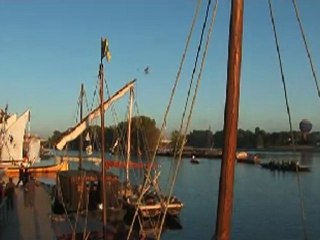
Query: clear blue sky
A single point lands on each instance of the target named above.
(48, 48)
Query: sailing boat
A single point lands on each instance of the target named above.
(18, 146)
(12, 135)
(98, 192)
(93, 193)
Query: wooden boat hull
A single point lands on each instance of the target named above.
(244, 157)
(63, 166)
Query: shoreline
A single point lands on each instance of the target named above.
(217, 152)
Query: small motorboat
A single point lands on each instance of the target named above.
(244, 157)
(194, 160)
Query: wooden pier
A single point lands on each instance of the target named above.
(28, 223)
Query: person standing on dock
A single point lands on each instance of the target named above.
(21, 174)
(25, 176)
(10, 192)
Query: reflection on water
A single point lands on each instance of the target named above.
(306, 158)
(266, 204)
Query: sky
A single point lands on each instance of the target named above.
(48, 48)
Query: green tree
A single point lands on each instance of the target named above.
(54, 138)
(144, 135)
(200, 138)
(176, 141)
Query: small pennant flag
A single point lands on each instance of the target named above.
(105, 49)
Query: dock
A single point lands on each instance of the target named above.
(25, 223)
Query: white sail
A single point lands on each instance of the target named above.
(4, 126)
(34, 147)
(13, 137)
(12, 119)
(74, 132)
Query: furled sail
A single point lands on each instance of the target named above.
(74, 132)
(13, 136)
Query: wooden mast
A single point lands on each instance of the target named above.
(81, 135)
(225, 201)
(104, 197)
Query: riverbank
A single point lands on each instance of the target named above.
(291, 148)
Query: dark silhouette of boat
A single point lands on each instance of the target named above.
(286, 166)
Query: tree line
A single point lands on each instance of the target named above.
(145, 135)
(252, 140)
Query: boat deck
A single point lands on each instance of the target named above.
(28, 223)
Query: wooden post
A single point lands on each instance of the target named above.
(225, 201)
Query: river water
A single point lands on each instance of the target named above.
(267, 204)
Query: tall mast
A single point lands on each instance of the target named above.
(129, 137)
(104, 53)
(104, 197)
(81, 135)
(225, 201)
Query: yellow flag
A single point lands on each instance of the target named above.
(105, 49)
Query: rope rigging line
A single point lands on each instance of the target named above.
(119, 133)
(303, 215)
(60, 195)
(281, 70)
(114, 113)
(76, 115)
(79, 205)
(85, 234)
(306, 45)
(169, 104)
(140, 129)
(203, 60)
(94, 95)
(192, 78)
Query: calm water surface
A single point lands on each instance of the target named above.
(267, 204)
